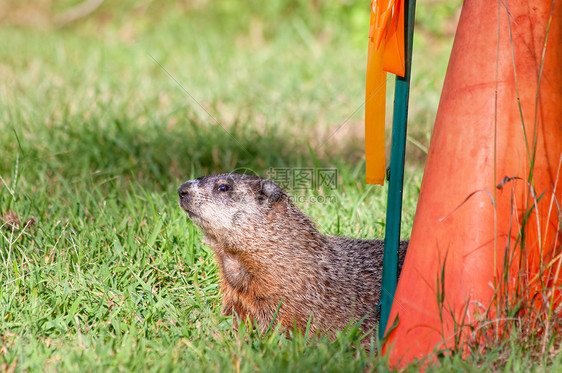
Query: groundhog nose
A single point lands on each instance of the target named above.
(183, 190)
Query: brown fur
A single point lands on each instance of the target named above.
(270, 253)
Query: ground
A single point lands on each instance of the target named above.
(101, 119)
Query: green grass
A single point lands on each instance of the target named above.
(96, 134)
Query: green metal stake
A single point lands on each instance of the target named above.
(396, 176)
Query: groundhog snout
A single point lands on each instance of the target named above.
(183, 192)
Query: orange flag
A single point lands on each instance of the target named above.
(385, 54)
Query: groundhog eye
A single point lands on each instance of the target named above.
(223, 188)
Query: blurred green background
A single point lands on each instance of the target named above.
(280, 76)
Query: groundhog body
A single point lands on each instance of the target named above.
(273, 259)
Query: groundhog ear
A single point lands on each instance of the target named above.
(271, 191)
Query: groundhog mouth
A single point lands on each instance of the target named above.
(189, 212)
(185, 205)
(191, 215)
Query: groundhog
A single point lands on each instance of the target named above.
(275, 266)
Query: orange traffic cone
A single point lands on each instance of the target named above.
(491, 193)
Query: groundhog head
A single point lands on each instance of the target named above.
(228, 203)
